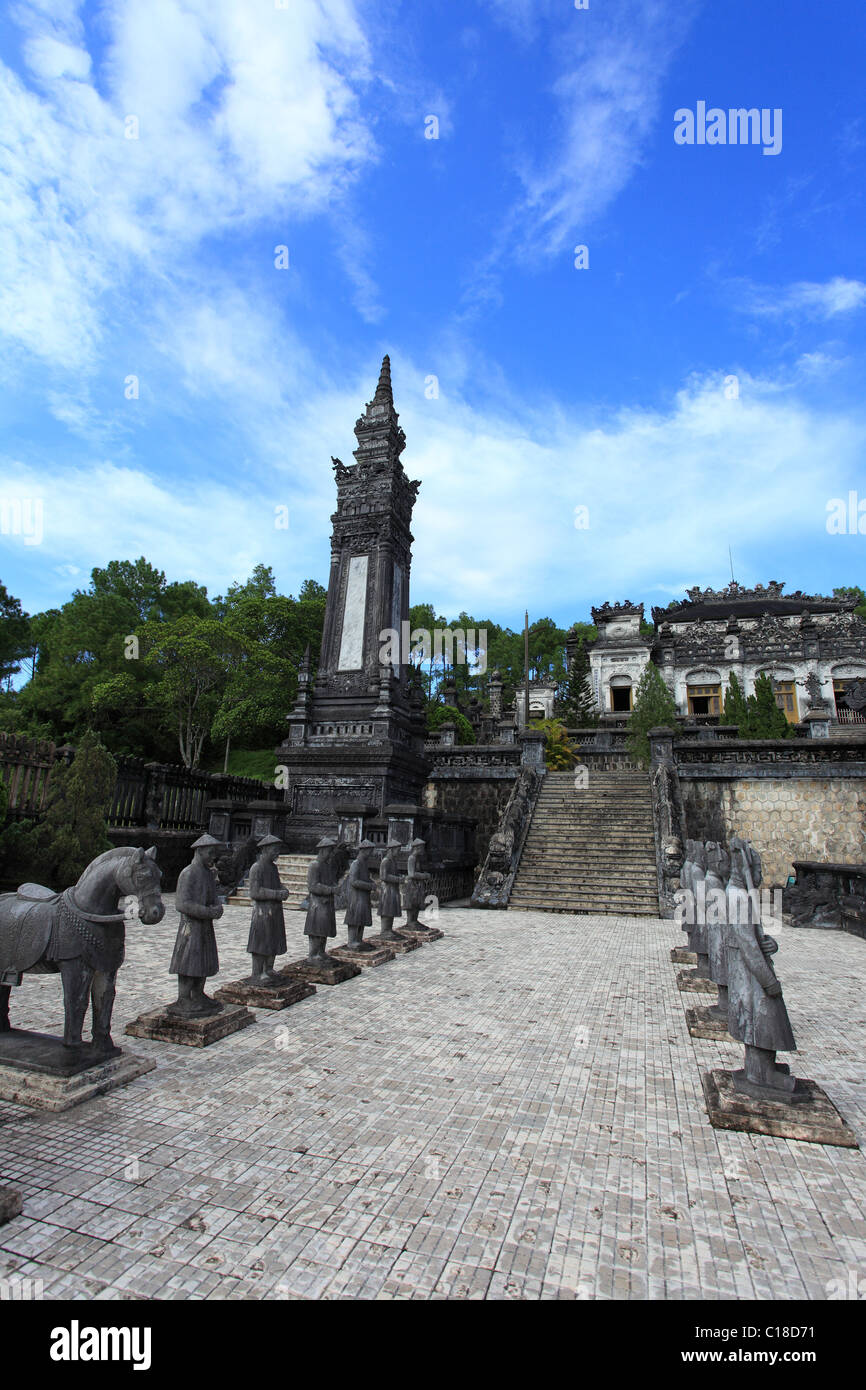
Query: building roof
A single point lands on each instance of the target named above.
(739, 602)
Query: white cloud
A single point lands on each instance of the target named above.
(240, 110)
(804, 299)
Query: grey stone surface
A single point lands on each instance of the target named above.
(10, 1204)
(58, 1090)
(513, 1115)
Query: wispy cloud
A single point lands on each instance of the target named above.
(805, 299)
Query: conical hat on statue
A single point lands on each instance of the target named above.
(419, 844)
(326, 842)
(205, 842)
(269, 840)
(366, 844)
(394, 844)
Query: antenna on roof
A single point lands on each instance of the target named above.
(731, 558)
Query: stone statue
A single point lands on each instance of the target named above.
(360, 885)
(415, 886)
(267, 938)
(389, 899)
(321, 919)
(195, 949)
(81, 934)
(718, 868)
(757, 1015)
(693, 877)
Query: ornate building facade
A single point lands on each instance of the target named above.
(812, 647)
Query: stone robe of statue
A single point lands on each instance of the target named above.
(195, 948)
(267, 926)
(321, 918)
(756, 1010)
(715, 883)
(415, 882)
(389, 879)
(359, 885)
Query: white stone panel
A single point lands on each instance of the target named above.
(354, 612)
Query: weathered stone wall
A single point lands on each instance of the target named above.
(483, 800)
(785, 818)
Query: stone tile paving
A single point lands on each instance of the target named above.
(512, 1112)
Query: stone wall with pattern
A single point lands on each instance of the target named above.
(785, 818)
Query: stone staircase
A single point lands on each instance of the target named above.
(293, 875)
(590, 850)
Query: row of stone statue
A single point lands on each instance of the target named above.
(734, 952)
(195, 956)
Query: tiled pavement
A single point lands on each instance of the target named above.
(512, 1112)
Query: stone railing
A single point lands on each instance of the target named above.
(496, 879)
(768, 757)
(25, 767)
(828, 896)
(162, 797)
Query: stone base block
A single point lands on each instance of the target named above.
(399, 946)
(377, 955)
(161, 1026)
(811, 1116)
(333, 972)
(10, 1204)
(423, 934)
(37, 1070)
(695, 984)
(703, 1024)
(257, 996)
(681, 955)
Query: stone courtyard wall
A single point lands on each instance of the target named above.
(786, 818)
(480, 799)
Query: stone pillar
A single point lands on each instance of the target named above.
(496, 695)
(661, 742)
(533, 742)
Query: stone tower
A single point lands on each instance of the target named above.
(356, 734)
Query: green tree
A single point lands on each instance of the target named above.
(853, 591)
(558, 752)
(579, 705)
(735, 709)
(653, 705)
(14, 636)
(72, 829)
(196, 659)
(447, 714)
(764, 718)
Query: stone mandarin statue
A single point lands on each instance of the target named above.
(267, 938)
(415, 886)
(195, 950)
(321, 919)
(360, 885)
(389, 899)
(757, 1016)
(718, 868)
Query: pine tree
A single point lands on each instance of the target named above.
(580, 710)
(653, 705)
(72, 830)
(764, 718)
(736, 708)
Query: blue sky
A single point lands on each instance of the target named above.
(607, 388)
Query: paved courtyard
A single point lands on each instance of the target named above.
(512, 1112)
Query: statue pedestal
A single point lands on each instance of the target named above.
(332, 972)
(398, 946)
(10, 1204)
(681, 955)
(276, 996)
(423, 934)
(703, 1024)
(810, 1116)
(161, 1026)
(696, 984)
(37, 1070)
(376, 955)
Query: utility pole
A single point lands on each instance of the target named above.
(526, 669)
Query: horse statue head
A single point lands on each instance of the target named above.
(126, 872)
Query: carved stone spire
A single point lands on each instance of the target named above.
(383, 394)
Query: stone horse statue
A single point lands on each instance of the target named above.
(79, 934)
